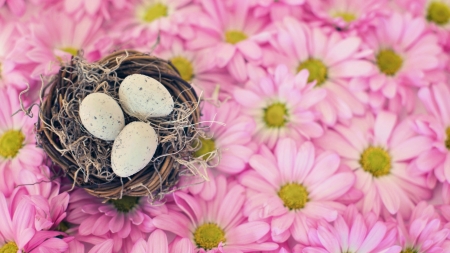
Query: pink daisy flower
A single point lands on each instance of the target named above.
(232, 33)
(56, 37)
(17, 232)
(143, 20)
(380, 150)
(232, 140)
(435, 99)
(196, 67)
(217, 225)
(405, 53)
(331, 61)
(281, 105)
(157, 243)
(293, 185)
(352, 232)
(126, 219)
(424, 231)
(18, 149)
(347, 14)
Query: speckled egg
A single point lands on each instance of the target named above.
(144, 97)
(133, 148)
(102, 116)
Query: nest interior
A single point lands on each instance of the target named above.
(86, 159)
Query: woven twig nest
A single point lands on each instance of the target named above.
(85, 159)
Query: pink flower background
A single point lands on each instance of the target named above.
(331, 119)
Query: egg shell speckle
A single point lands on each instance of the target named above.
(133, 148)
(102, 116)
(144, 97)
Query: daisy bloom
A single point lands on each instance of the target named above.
(126, 219)
(196, 67)
(380, 150)
(347, 14)
(217, 225)
(18, 233)
(56, 38)
(93, 7)
(143, 20)
(281, 104)
(292, 185)
(157, 243)
(231, 136)
(231, 33)
(435, 99)
(423, 232)
(331, 62)
(352, 232)
(18, 149)
(405, 52)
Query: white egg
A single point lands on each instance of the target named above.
(102, 116)
(133, 148)
(144, 97)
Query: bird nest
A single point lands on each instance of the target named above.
(87, 159)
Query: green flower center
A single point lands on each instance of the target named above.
(409, 250)
(317, 70)
(346, 16)
(207, 147)
(9, 247)
(71, 50)
(275, 115)
(208, 236)
(389, 62)
(184, 66)
(63, 226)
(438, 12)
(125, 204)
(154, 12)
(10, 143)
(234, 36)
(376, 161)
(447, 141)
(294, 196)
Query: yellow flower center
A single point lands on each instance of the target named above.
(438, 12)
(207, 147)
(71, 50)
(208, 236)
(409, 250)
(125, 204)
(234, 36)
(447, 141)
(184, 66)
(317, 70)
(9, 247)
(154, 12)
(294, 196)
(275, 115)
(63, 226)
(346, 16)
(10, 143)
(389, 62)
(376, 161)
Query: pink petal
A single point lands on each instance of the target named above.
(249, 49)
(246, 98)
(140, 246)
(266, 169)
(285, 152)
(385, 189)
(72, 6)
(384, 124)
(17, 6)
(328, 240)
(157, 242)
(333, 187)
(410, 148)
(353, 68)
(116, 223)
(304, 162)
(358, 233)
(224, 54)
(282, 223)
(173, 222)
(183, 245)
(92, 6)
(104, 247)
(189, 205)
(342, 50)
(231, 205)
(373, 238)
(242, 235)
